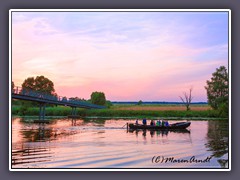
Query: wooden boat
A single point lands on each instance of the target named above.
(179, 125)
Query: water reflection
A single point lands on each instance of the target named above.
(94, 143)
(26, 131)
(98, 121)
(218, 142)
(162, 136)
(31, 140)
(39, 134)
(152, 133)
(162, 133)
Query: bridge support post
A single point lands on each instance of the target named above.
(42, 111)
(74, 112)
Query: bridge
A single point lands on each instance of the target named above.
(44, 98)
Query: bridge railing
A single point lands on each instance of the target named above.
(46, 96)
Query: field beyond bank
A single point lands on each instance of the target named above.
(161, 107)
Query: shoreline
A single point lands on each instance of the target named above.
(136, 112)
(124, 118)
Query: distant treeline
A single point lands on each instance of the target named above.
(155, 102)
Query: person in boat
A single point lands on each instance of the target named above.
(137, 122)
(158, 123)
(144, 121)
(166, 124)
(152, 123)
(163, 123)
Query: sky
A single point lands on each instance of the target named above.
(130, 56)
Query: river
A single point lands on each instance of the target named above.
(98, 143)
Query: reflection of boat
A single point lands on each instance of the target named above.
(161, 131)
(175, 126)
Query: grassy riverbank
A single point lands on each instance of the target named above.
(146, 111)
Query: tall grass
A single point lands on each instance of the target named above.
(64, 111)
(50, 111)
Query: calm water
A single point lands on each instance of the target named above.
(66, 143)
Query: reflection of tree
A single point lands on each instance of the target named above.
(40, 134)
(48, 132)
(218, 139)
(98, 121)
(77, 122)
(27, 152)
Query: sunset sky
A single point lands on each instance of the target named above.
(130, 56)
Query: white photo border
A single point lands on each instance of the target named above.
(117, 10)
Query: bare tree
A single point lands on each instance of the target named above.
(187, 99)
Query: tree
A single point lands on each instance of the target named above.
(64, 98)
(217, 90)
(139, 102)
(108, 104)
(187, 99)
(98, 98)
(40, 84)
(75, 99)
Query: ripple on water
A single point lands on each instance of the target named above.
(106, 144)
